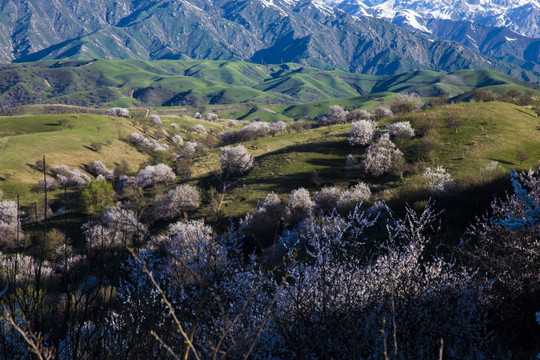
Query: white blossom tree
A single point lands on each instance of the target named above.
(299, 204)
(155, 120)
(438, 179)
(155, 174)
(337, 115)
(326, 199)
(348, 198)
(99, 168)
(180, 200)
(361, 132)
(199, 129)
(235, 160)
(382, 112)
(402, 129)
(382, 157)
(10, 225)
(70, 177)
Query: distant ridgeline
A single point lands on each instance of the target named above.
(135, 83)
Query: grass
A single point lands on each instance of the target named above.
(315, 158)
(25, 139)
(202, 83)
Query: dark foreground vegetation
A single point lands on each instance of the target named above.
(390, 237)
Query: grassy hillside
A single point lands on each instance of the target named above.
(132, 83)
(316, 158)
(26, 139)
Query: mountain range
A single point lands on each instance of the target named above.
(260, 31)
(520, 16)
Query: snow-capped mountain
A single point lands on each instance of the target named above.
(521, 16)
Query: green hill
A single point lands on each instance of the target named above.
(132, 83)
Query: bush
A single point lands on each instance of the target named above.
(155, 174)
(402, 129)
(438, 180)
(357, 115)
(99, 168)
(155, 120)
(97, 197)
(67, 177)
(199, 129)
(361, 132)
(326, 199)
(382, 157)
(120, 112)
(349, 198)
(211, 117)
(337, 115)
(299, 204)
(382, 112)
(235, 160)
(180, 200)
(406, 103)
(9, 225)
(481, 95)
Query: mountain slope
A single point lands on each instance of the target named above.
(274, 31)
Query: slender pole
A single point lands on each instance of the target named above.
(45, 184)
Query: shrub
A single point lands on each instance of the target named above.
(180, 200)
(438, 180)
(349, 198)
(382, 112)
(211, 117)
(52, 184)
(481, 95)
(402, 129)
(99, 168)
(155, 174)
(327, 198)
(277, 127)
(118, 228)
(351, 162)
(299, 204)
(357, 115)
(406, 103)
(235, 160)
(199, 129)
(9, 225)
(361, 132)
(184, 239)
(155, 120)
(177, 139)
(96, 197)
(146, 144)
(70, 177)
(120, 112)
(337, 115)
(382, 157)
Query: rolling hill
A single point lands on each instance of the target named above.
(132, 83)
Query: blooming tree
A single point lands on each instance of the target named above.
(361, 132)
(348, 198)
(438, 179)
(402, 129)
(235, 160)
(155, 174)
(180, 200)
(337, 115)
(383, 156)
(155, 120)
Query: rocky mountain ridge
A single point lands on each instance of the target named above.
(263, 31)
